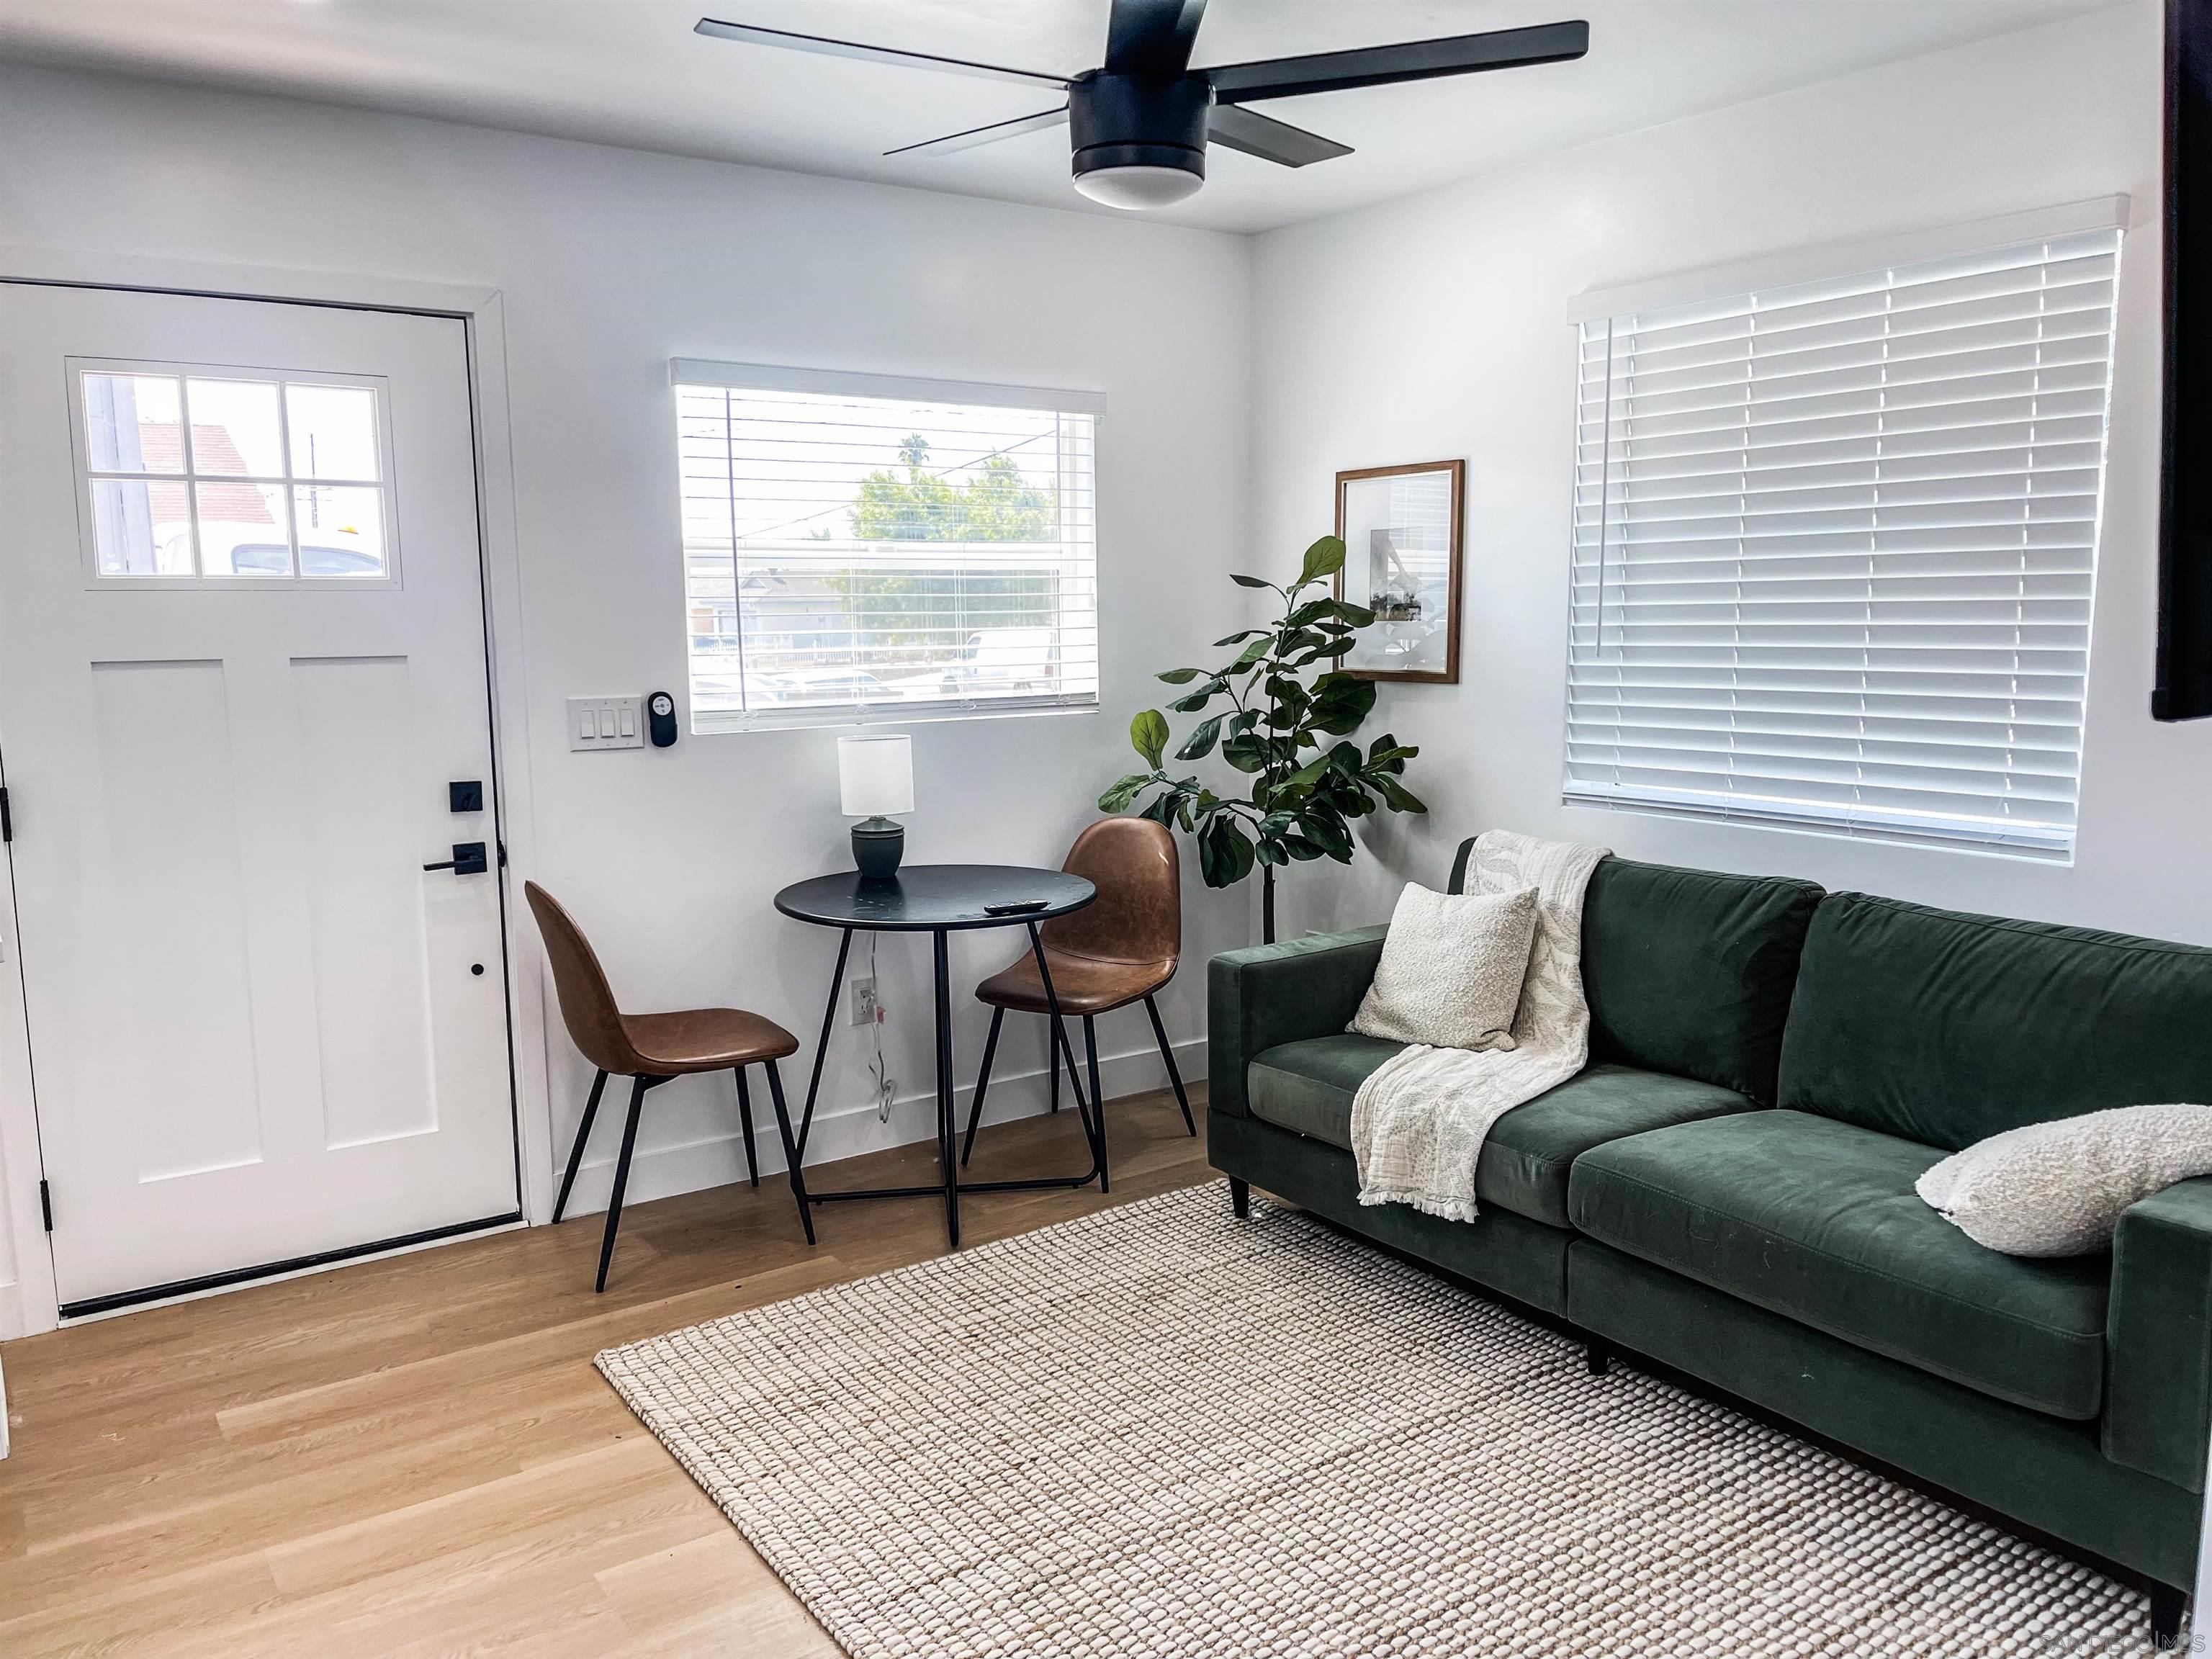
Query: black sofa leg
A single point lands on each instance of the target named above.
(2167, 1605)
(1597, 1357)
(1240, 1197)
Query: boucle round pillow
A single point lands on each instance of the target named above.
(2057, 1188)
(1452, 969)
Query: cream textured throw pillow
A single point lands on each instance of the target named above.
(2057, 1188)
(1452, 969)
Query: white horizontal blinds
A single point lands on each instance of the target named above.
(882, 556)
(1834, 547)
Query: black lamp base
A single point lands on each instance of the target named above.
(879, 844)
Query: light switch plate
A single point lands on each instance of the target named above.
(606, 722)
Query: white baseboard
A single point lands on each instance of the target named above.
(720, 1160)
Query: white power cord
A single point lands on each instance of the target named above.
(886, 1084)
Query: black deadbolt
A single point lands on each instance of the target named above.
(466, 797)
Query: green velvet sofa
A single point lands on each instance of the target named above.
(1728, 1188)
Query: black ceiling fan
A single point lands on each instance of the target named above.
(1139, 125)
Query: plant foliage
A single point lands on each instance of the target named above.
(918, 610)
(1275, 729)
(998, 504)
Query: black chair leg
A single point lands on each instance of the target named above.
(1167, 1054)
(1097, 1095)
(576, 1152)
(637, 1088)
(745, 1116)
(1052, 1071)
(983, 1082)
(790, 1150)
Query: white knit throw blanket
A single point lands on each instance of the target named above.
(1418, 1123)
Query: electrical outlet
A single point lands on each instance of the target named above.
(865, 1010)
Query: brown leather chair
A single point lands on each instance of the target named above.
(650, 1049)
(1120, 950)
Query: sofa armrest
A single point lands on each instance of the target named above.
(2158, 1385)
(1273, 994)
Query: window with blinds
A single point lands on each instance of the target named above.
(1835, 545)
(893, 552)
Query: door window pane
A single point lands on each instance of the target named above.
(133, 424)
(235, 428)
(238, 476)
(243, 532)
(341, 529)
(141, 529)
(333, 431)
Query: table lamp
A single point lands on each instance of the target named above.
(875, 779)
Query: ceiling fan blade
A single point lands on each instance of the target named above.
(986, 135)
(756, 35)
(1267, 138)
(1151, 36)
(1408, 60)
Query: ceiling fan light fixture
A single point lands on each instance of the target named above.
(1137, 188)
(1137, 143)
(1139, 124)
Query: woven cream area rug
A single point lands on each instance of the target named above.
(1159, 1431)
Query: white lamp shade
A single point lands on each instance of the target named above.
(875, 776)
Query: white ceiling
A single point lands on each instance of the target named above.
(632, 72)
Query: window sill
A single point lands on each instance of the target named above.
(1830, 828)
(714, 723)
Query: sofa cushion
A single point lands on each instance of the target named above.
(1949, 1028)
(1817, 1220)
(1307, 1087)
(1690, 971)
(1528, 1154)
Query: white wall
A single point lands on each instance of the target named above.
(1434, 327)
(610, 263)
(1241, 376)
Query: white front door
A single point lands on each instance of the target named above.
(241, 660)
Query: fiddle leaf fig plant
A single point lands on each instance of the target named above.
(1284, 697)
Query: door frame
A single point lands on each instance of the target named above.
(30, 1303)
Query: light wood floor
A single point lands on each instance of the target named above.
(415, 1457)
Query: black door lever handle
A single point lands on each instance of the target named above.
(468, 860)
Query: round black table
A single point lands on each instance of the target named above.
(939, 900)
